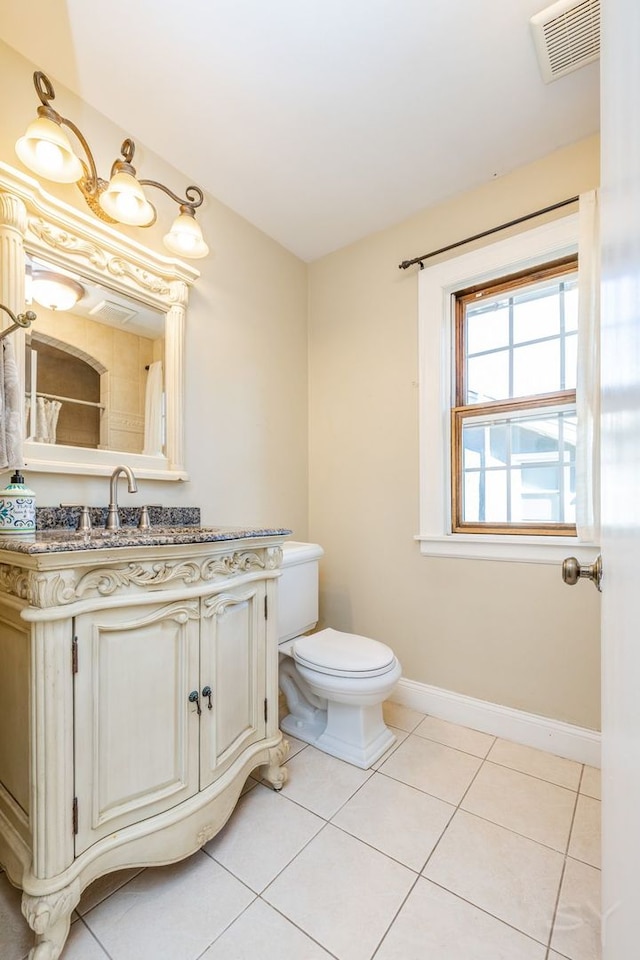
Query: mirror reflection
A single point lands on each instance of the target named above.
(94, 365)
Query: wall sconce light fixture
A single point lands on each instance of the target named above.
(45, 149)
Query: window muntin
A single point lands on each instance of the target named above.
(514, 422)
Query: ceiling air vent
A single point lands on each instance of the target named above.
(113, 313)
(567, 37)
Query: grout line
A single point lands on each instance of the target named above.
(301, 929)
(533, 776)
(108, 896)
(457, 808)
(564, 867)
(230, 924)
(487, 913)
(395, 916)
(87, 927)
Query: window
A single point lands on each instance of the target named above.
(520, 438)
(513, 428)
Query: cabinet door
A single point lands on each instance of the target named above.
(233, 666)
(136, 733)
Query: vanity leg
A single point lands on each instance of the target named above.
(50, 918)
(273, 772)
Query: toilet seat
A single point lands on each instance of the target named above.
(340, 654)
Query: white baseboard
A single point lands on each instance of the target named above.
(554, 736)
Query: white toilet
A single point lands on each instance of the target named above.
(334, 682)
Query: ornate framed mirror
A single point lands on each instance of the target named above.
(103, 375)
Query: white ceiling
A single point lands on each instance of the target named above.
(320, 121)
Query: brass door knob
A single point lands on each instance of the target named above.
(573, 570)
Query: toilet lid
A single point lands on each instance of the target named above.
(343, 654)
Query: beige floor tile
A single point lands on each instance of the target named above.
(453, 735)
(169, 913)
(103, 887)
(16, 939)
(82, 945)
(256, 856)
(585, 834)
(295, 745)
(591, 783)
(322, 783)
(576, 931)
(400, 736)
(435, 924)
(441, 771)
(341, 893)
(396, 819)
(537, 763)
(535, 808)
(261, 933)
(404, 718)
(512, 878)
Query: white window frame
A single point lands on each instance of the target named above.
(437, 286)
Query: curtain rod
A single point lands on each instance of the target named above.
(485, 233)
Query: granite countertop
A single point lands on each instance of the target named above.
(56, 530)
(61, 540)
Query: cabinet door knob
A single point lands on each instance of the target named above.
(207, 692)
(195, 698)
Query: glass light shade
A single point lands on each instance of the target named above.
(185, 238)
(124, 201)
(54, 290)
(46, 150)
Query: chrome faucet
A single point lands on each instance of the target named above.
(113, 517)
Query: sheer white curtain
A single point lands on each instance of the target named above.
(588, 385)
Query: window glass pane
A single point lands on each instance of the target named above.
(488, 377)
(485, 496)
(536, 314)
(485, 445)
(571, 361)
(487, 327)
(523, 469)
(571, 305)
(536, 368)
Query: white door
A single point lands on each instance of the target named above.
(620, 66)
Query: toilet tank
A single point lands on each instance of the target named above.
(298, 589)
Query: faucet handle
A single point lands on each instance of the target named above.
(144, 523)
(84, 520)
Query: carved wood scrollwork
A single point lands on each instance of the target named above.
(14, 580)
(54, 589)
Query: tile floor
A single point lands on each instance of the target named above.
(458, 846)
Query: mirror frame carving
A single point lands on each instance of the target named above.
(34, 221)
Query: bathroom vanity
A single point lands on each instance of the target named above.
(138, 690)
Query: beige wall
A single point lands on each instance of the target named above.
(510, 633)
(246, 351)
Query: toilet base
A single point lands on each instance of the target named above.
(357, 735)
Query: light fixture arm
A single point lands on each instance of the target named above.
(190, 201)
(92, 183)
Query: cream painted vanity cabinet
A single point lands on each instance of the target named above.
(138, 690)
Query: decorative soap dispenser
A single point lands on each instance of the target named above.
(17, 509)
